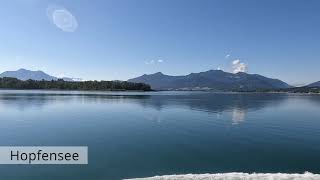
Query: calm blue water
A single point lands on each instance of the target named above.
(147, 134)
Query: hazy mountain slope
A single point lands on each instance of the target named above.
(213, 79)
(24, 74)
(316, 84)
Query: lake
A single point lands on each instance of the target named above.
(143, 134)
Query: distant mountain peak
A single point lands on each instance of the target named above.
(158, 73)
(21, 69)
(241, 73)
(24, 74)
(26, 70)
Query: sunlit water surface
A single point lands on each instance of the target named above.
(132, 135)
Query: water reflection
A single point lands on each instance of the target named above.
(214, 103)
(210, 102)
(238, 105)
(238, 116)
(25, 101)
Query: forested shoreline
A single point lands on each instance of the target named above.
(14, 83)
(302, 90)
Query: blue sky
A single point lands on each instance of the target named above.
(121, 39)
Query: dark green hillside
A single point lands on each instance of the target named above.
(14, 83)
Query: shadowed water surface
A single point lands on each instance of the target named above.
(132, 135)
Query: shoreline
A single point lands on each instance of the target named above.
(154, 91)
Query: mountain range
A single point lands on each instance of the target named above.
(24, 74)
(208, 80)
(316, 84)
(211, 80)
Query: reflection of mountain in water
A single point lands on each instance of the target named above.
(24, 101)
(215, 102)
(209, 102)
(238, 116)
(236, 103)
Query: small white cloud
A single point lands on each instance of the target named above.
(235, 61)
(149, 62)
(154, 61)
(219, 68)
(227, 56)
(238, 66)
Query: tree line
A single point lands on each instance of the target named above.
(304, 89)
(60, 84)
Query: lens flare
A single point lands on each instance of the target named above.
(62, 18)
